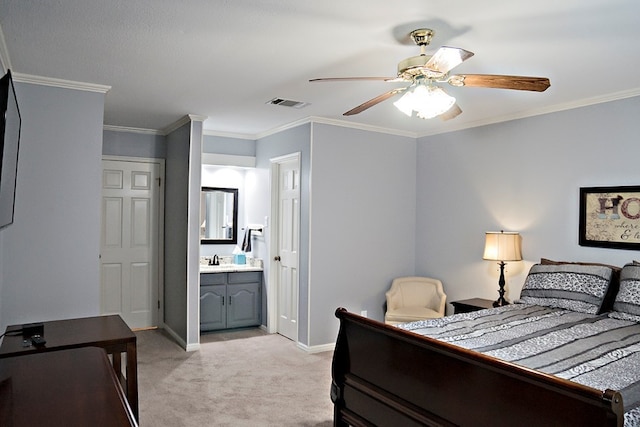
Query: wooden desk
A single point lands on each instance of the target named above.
(107, 332)
(64, 388)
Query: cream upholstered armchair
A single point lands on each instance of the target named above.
(414, 298)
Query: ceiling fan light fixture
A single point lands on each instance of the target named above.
(436, 102)
(405, 103)
(426, 100)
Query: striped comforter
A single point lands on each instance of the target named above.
(596, 351)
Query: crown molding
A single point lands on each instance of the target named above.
(284, 127)
(585, 102)
(65, 84)
(208, 132)
(360, 126)
(336, 122)
(183, 121)
(163, 132)
(132, 130)
(273, 131)
(197, 118)
(175, 125)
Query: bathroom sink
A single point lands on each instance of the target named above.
(227, 268)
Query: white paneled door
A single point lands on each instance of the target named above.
(286, 260)
(129, 252)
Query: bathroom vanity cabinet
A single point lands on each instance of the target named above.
(230, 300)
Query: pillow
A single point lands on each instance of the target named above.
(546, 261)
(627, 302)
(575, 287)
(607, 305)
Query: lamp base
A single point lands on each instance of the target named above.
(500, 302)
(501, 282)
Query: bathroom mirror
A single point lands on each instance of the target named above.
(218, 216)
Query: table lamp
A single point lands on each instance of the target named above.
(501, 246)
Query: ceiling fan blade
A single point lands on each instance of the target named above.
(536, 84)
(451, 113)
(349, 79)
(446, 58)
(370, 103)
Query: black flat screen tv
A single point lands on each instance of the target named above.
(10, 123)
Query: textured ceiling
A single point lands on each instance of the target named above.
(225, 59)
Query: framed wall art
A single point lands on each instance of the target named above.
(610, 217)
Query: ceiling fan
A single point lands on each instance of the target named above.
(424, 71)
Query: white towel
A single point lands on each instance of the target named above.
(246, 243)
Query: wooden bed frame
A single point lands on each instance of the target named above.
(385, 376)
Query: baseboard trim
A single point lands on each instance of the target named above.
(193, 347)
(180, 341)
(316, 348)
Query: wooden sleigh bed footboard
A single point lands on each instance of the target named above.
(385, 376)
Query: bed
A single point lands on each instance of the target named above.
(568, 355)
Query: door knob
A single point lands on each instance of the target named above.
(276, 258)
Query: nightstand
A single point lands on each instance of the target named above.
(473, 304)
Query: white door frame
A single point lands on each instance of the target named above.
(272, 291)
(160, 163)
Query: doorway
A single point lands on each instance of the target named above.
(132, 215)
(285, 240)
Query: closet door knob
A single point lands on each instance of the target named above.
(276, 258)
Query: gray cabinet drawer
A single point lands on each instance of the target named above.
(245, 277)
(213, 278)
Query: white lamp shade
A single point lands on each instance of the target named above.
(502, 246)
(426, 100)
(430, 101)
(405, 103)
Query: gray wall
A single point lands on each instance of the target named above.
(193, 235)
(524, 176)
(49, 256)
(181, 238)
(356, 223)
(176, 231)
(228, 145)
(363, 198)
(295, 140)
(134, 144)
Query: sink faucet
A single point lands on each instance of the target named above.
(215, 260)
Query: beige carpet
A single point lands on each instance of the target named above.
(243, 378)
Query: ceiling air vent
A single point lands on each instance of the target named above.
(287, 103)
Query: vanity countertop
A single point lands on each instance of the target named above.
(228, 268)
